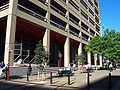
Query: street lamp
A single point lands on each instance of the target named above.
(10, 50)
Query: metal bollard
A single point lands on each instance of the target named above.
(88, 79)
(68, 79)
(27, 76)
(50, 77)
(110, 85)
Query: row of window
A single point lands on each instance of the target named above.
(85, 5)
(60, 24)
(40, 14)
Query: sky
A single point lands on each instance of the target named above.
(110, 14)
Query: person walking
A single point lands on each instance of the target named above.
(29, 69)
(110, 67)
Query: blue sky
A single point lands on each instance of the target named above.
(110, 14)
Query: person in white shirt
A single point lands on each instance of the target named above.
(110, 66)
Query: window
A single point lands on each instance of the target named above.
(83, 3)
(74, 5)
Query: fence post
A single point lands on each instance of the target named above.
(50, 77)
(110, 85)
(88, 79)
(68, 79)
(27, 77)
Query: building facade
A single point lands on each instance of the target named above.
(64, 26)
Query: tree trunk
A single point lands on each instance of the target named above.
(79, 68)
(42, 75)
(38, 74)
(96, 66)
(82, 68)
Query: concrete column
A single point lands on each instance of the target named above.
(46, 40)
(48, 13)
(80, 49)
(67, 1)
(67, 52)
(88, 30)
(89, 58)
(10, 32)
(100, 60)
(80, 34)
(46, 37)
(88, 39)
(95, 59)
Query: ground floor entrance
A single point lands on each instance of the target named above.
(27, 35)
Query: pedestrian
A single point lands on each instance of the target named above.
(6, 72)
(29, 69)
(74, 65)
(2, 64)
(110, 66)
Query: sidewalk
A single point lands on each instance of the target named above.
(98, 81)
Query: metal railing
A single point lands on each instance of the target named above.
(25, 58)
(73, 21)
(32, 13)
(63, 1)
(73, 33)
(44, 2)
(92, 22)
(74, 5)
(57, 25)
(84, 28)
(91, 33)
(4, 7)
(58, 11)
(84, 38)
(17, 57)
(31, 60)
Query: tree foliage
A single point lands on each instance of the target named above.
(41, 56)
(108, 45)
(81, 59)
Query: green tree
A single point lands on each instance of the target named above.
(108, 45)
(41, 57)
(81, 60)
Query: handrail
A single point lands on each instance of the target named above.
(17, 57)
(30, 12)
(57, 25)
(60, 12)
(31, 60)
(25, 58)
(4, 7)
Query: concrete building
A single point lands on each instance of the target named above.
(64, 26)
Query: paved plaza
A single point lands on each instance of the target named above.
(98, 81)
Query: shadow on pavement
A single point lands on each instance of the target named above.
(102, 84)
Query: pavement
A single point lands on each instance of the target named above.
(99, 80)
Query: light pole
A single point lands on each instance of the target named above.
(9, 63)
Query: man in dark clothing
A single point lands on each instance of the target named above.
(6, 72)
(29, 69)
(2, 65)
